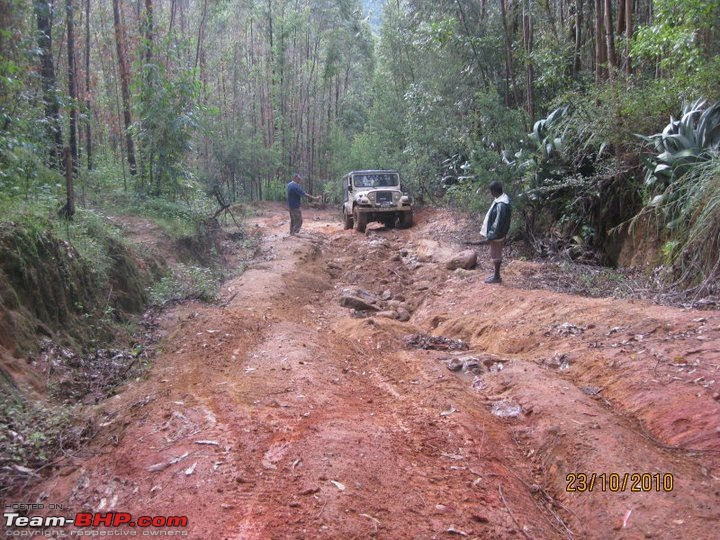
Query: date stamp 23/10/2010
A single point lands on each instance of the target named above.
(619, 482)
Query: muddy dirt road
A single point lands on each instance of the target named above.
(281, 414)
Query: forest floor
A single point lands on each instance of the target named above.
(278, 413)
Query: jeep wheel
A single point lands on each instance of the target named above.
(406, 221)
(347, 220)
(360, 221)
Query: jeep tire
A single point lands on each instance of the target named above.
(360, 221)
(347, 220)
(406, 220)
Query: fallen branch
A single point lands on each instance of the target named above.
(511, 514)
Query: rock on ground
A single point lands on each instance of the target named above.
(466, 260)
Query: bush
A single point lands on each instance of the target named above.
(31, 435)
(186, 283)
(690, 210)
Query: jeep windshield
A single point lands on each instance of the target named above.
(376, 180)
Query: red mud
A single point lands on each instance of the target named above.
(279, 415)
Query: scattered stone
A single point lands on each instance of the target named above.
(467, 364)
(506, 409)
(353, 302)
(466, 260)
(364, 295)
(480, 518)
(386, 295)
(591, 390)
(472, 365)
(493, 366)
(438, 343)
(559, 361)
(404, 252)
(423, 285)
(403, 314)
(568, 329)
(456, 364)
(448, 412)
(387, 314)
(409, 306)
(310, 490)
(394, 304)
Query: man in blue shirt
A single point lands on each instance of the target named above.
(294, 194)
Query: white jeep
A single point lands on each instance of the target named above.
(375, 196)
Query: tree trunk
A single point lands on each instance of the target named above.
(147, 93)
(124, 86)
(43, 12)
(149, 30)
(628, 35)
(469, 35)
(577, 64)
(528, 42)
(72, 84)
(610, 39)
(510, 87)
(88, 93)
(201, 33)
(68, 210)
(600, 48)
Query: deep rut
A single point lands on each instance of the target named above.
(280, 415)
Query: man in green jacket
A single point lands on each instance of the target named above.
(496, 226)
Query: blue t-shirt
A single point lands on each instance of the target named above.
(294, 193)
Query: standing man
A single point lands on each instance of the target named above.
(496, 226)
(294, 194)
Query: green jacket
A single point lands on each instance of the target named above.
(499, 221)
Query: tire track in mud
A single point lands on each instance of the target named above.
(568, 425)
(315, 424)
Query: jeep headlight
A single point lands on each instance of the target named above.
(371, 196)
(396, 196)
(363, 199)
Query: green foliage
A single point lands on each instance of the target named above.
(690, 210)
(177, 219)
(91, 233)
(542, 160)
(683, 144)
(31, 434)
(673, 38)
(168, 120)
(186, 283)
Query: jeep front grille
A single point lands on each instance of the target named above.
(384, 197)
